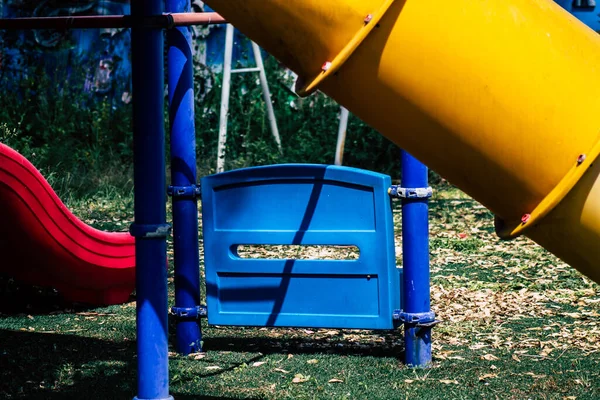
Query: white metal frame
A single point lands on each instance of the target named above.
(341, 138)
(225, 94)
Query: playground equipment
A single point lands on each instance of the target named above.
(45, 244)
(474, 89)
(300, 205)
(427, 63)
(225, 94)
(375, 272)
(307, 205)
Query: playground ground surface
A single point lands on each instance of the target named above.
(516, 324)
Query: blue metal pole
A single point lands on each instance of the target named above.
(417, 316)
(149, 227)
(183, 180)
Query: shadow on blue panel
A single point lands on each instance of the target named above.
(278, 291)
(300, 204)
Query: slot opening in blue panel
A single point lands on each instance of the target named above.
(296, 252)
(300, 245)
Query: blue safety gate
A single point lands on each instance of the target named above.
(300, 204)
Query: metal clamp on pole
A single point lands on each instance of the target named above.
(189, 313)
(184, 192)
(424, 319)
(150, 231)
(396, 191)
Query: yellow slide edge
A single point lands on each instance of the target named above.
(512, 229)
(331, 67)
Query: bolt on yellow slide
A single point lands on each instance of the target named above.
(501, 97)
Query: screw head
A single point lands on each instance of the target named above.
(525, 218)
(368, 18)
(326, 65)
(581, 158)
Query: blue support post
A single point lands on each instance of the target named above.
(417, 316)
(149, 227)
(183, 180)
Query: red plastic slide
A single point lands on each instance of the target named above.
(43, 243)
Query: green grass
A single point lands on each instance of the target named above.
(516, 324)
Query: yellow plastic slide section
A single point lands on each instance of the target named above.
(501, 97)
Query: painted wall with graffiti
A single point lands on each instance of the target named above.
(97, 60)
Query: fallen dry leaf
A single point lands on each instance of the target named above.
(283, 371)
(335, 380)
(449, 381)
(487, 376)
(534, 375)
(299, 378)
(489, 357)
(258, 363)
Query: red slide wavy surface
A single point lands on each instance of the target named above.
(43, 243)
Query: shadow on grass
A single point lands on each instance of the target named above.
(18, 298)
(390, 347)
(55, 366)
(35, 365)
(199, 397)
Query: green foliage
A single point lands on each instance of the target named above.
(83, 142)
(75, 139)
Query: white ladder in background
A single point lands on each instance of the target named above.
(226, 89)
(341, 138)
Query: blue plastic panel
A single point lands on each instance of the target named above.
(299, 204)
(584, 10)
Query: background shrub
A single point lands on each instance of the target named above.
(83, 142)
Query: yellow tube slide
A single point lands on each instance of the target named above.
(501, 97)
